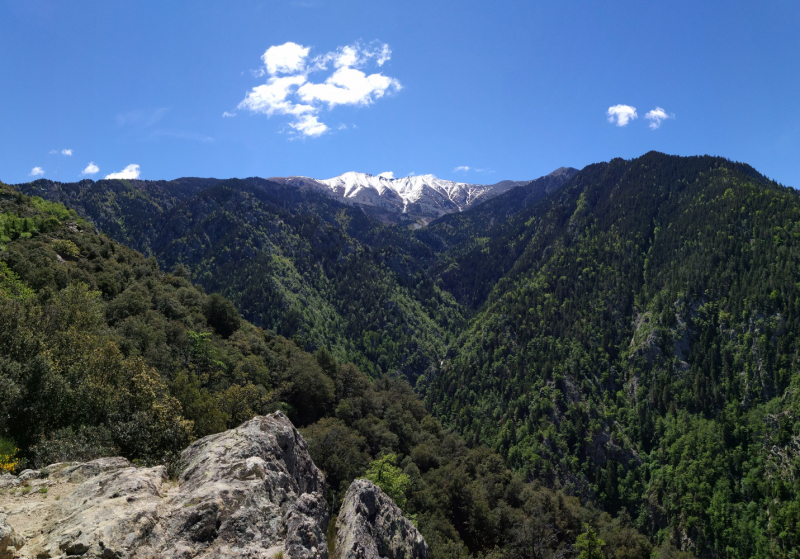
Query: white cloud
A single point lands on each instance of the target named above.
(353, 56)
(129, 172)
(66, 152)
(308, 125)
(37, 171)
(621, 114)
(656, 116)
(288, 58)
(293, 93)
(348, 86)
(91, 169)
(272, 99)
(53, 151)
(387, 175)
(461, 168)
(227, 114)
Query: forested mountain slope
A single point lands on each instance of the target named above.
(293, 260)
(478, 220)
(478, 247)
(629, 337)
(642, 349)
(102, 354)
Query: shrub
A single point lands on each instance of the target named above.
(8, 456)
(384, 473)
(65, 248)
(70, 445)
(221, 315)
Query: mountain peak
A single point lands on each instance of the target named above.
(418, 197)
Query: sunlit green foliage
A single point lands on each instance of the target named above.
(589, 545)
(384, 473)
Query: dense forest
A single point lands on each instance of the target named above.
(641, 350)
(297, 262)
(102, 354)
(624, 341)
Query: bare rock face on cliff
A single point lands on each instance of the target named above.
(249, 492)
(371, 526)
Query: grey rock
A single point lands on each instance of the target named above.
(372, 526)
(306, 527)
(26, 475)
(249, 492)
(7, 480)
(109, 515)
(10, 541)
(75, 472)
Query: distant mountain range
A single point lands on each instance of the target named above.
(419, 198)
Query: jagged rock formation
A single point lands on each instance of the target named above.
(249, 492)
(371, 526)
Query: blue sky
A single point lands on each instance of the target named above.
(510, 90)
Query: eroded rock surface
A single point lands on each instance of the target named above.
(372, 526)
(10, 541)
(249, 492)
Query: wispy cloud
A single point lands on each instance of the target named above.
(387, 174)
(37, 172)
(461, 168)
(141, 118)
(289, 91)
(656, 116)
(129, 172)
(181, 135)
(226, 114)
(621, 115)
(91, 169)
(66, 152)
(309, 125)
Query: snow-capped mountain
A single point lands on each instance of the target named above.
(420, 197)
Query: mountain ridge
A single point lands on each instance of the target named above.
(422, 198)
(628, 337)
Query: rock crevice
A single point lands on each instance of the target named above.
(371, 526)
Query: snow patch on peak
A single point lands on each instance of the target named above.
(421, 197)
(429, 195)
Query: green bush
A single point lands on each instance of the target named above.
(222, 315)
(74, 445)
(65, 248)
(384, 473)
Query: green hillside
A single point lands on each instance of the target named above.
(641, 350)
(627, 337)
(102, 353)
(295, 262)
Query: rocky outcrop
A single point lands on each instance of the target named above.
(249, 492)
(371, 526)
(10, 541)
